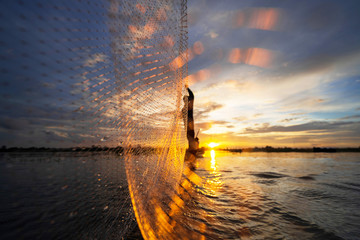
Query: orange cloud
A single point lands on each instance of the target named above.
(149, 28)
(199, 76)
(198, 48)
(264, 18)
(178, 62)
(132, 28)
(259, 18)
(258, 57)
(239, 19)
(235, 55)
(161, 15)
(253, 56)
(168, 41)
(141, 8)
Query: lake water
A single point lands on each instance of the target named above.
(64, 196)
(280, 195)
(240, 196)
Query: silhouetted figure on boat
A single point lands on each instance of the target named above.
(188, 115)
(190, 132)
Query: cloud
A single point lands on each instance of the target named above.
(288, 120)
(227, 83)
(241, 118)
(13, 123)
(203, 126)
(207, 125)
(202, 112)
(350, 117)
(56, 133)
(225, 92)
(212, 34)
(314, 126)
(327, 59)
(297, 114)
(220, 122)
(96, 58)
(256, 115)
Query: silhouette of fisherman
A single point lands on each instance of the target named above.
(190, 132)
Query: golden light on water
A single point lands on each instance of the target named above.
(213, 161)
(213, 182)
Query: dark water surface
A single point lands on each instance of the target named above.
(64, 196)
(241, 196)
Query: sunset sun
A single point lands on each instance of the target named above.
(212, 145)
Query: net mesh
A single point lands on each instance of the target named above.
(102, 76)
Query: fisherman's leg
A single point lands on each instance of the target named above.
(190, 130)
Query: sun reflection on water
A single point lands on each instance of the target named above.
(213, 178)
(213, 160)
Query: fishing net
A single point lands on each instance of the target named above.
(80, 78)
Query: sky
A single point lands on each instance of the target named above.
(89, 73)
(278, 73)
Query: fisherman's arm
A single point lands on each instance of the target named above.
(191, 94)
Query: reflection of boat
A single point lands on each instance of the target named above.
(200, 152)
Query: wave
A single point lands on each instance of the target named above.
(268, 175)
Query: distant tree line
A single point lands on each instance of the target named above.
(144, 149)
(93, 148)
(136, 150)
(289, 149)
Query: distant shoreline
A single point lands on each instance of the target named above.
(71, 149)
(288, 149)
(149, 149)
(120, 149)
